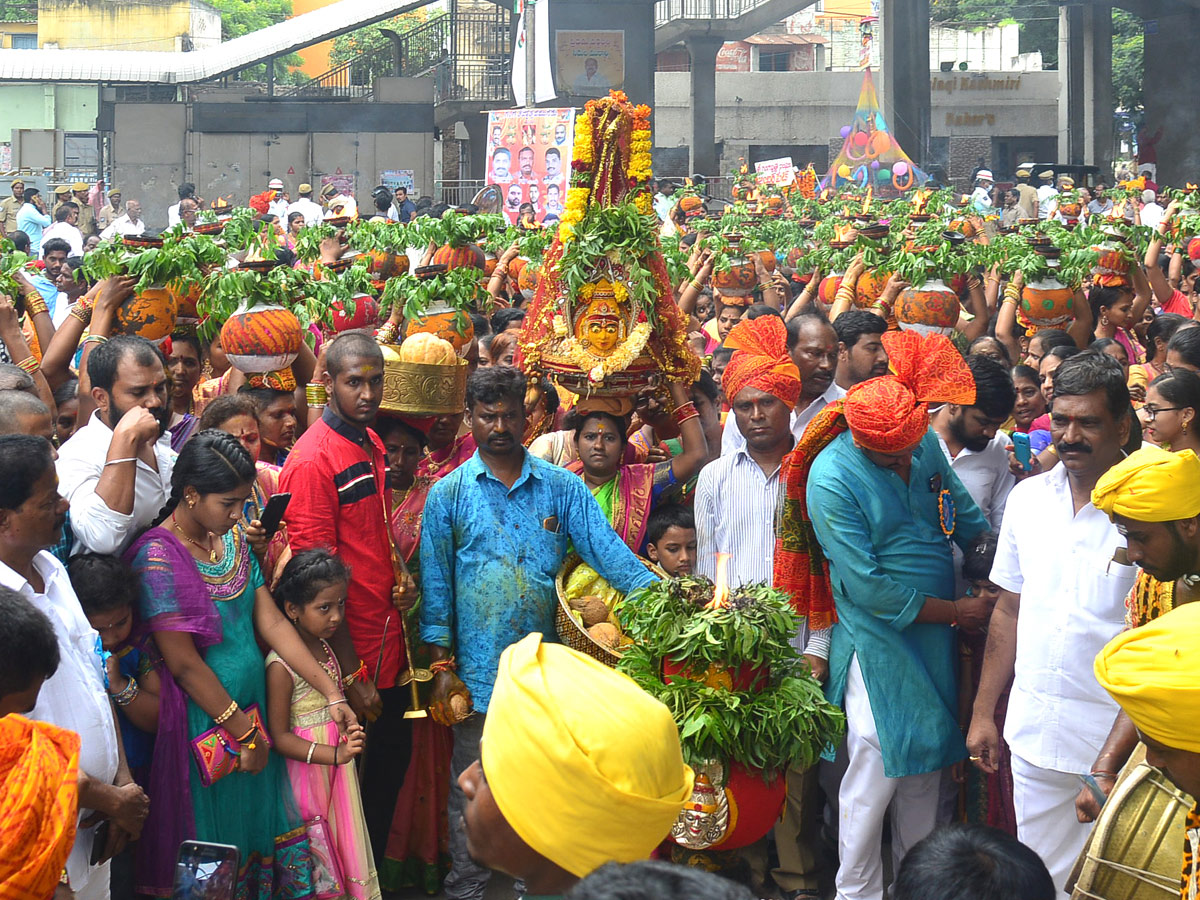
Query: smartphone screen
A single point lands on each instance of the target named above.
(272, 514)
(205, 871)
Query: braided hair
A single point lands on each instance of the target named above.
(212, 461)
(306, 575)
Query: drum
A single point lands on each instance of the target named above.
(1135, 852)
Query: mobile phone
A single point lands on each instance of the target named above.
(100, 842)
(1022, 451)
(205, 871)
(272, 513)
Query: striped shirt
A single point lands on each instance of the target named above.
(736, 508)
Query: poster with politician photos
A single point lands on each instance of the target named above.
(529, 160)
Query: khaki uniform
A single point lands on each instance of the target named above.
(1028, 203)
(8, 213)
(87, 219)
(106, 217)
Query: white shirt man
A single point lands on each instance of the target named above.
(69, 233)
(1047, 195)
(732, 439)
(1063, 565)
(1152, 213)
(81, 462)
(74, 698)
(127, 225)
(311, 211)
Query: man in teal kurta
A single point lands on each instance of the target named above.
(885, 505)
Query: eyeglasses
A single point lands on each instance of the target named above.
(1152, 411)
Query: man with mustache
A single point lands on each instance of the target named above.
(116, 470)
(1063, 566)
(870, 482)
(971, 438)
(1153, 497)
(494, 536)
(812, 345)
(860, 347)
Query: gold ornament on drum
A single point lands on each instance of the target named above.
(704, 820)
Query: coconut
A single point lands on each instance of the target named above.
(605, 635)
(594, 612)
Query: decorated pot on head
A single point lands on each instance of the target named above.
(869, 287)
(1193, 250)
(150, 313)
(933, 307)
(262, 338)
(443, 320)
(828, 287)
(730, 807)
(739, 280)
(527, 280)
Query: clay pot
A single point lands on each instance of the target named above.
(828, 288)
(186, 300)
(869, 287)
(1048, 302)
(466, 256)
(364, 315)
(768, 260)
(745, 808)
(739, 281)
(527, 281)
(386, 264)
(1193, 249)
(262, 338)
(932, 308)
(441, 319)
(150, 314)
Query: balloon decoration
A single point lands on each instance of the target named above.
(869, 148)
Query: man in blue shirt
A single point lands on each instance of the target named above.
(403, 208)
(32, 219)
(493, 537)
(885, 505)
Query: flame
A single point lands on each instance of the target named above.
(867, 201)
(1119, 210)
(843, 232)
(721, 589)
(825, 194)
(1190, 187)
(922, 199)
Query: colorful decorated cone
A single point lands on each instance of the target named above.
(149, 314)
(1048, 303)
(443, 321)
(466, 256)
(262, 338)
(934, 307)
(365, 313)
(739, 281)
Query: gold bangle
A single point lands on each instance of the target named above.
(228, 714)
(36, 306)
(697, 285)
(386, 334)
(29, 365)
(315, 394)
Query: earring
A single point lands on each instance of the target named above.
(191, 503)
(1104, 320)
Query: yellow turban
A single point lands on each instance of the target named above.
(584, 765)
(1151, 485)
(1151, 672)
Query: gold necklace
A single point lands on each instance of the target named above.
(211, 549)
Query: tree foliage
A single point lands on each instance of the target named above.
(1128, 61)
(1038, 21)
(372, 41)
(18, 11)
(241, 17)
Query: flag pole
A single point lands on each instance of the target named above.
(530, 60)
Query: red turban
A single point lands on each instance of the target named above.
(760, 360)
(891, 413)
(886, 414)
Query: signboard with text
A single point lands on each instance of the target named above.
(529, 159)
(779, 172)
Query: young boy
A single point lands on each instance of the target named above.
(107, 591)
(28, 653)
(671, 539)
(39, 765)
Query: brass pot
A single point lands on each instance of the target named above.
(420, 389)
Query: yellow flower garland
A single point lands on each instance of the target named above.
(599, 368)
(576, 206)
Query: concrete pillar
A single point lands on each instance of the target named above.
(703, 51)
(1085, 105)
(1169, 89)
(904, 87)
(477, 139)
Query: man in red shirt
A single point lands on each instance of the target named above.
(336, 476)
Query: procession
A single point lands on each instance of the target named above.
(603, 534)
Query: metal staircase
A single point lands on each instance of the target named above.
(677, 20)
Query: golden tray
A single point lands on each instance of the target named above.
(570, 632)
(420, 389)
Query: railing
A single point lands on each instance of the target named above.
(354, 78)
(480, 59)
(456, 192)
(671, 10)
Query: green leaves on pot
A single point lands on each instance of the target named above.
(456, 288)
(779, 720)
(378, 237)
(308, 241)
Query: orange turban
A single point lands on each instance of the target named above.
(760, 360)
(891, 413)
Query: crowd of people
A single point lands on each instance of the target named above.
(986, 533)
